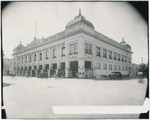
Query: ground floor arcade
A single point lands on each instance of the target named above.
(73, 69)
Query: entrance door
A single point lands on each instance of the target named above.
(40, 67)
(88, 69)
(55, 66)
(87, 64)
(47, 66)
(74, 69)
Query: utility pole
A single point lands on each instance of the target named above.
(142, 60)
(35, 27)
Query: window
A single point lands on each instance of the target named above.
(35, 67)
(104, 66)
(46, 66)
(110, 54)
(40, 67)
(88, 48)
(126, 68)
(30, 59)
(63, 51)
(110, 66)
(115, 56)
(122, 68)
(119, 67)
(40, 55)
(63, 65)
(125, 58)
(122, 58)
(34, 57)
(30, 67)
(46, 52)
(98, 52)
(25, 68)
(73, 48)
(129, 60)
(104, 53)
(54, 66)
(115, 67)
(26, 59)
(18, 60)
(88, 65)
(118, 57)
(22, 59)
(98, 65)
(54, 52)
(18, 69)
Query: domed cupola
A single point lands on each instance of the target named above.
(123, 43)
(79, 19)
(18, 48)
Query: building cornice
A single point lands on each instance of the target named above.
(95, 35)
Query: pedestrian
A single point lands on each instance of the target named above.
(56, 74)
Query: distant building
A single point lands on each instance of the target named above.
(7, 66)
(135, 70)
(78, 51)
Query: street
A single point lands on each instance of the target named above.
(34, 97)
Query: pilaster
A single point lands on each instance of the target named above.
(81, 68)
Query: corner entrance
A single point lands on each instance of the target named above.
(73, 71)
(88, 69)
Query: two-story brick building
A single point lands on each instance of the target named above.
(78, 51)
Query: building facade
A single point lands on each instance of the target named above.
(78, 51)
(7, 66)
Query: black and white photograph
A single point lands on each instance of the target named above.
(67, 59)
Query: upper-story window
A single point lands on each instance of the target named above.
(110, 66)
(126, 68)
(115, 67)
(14, 61)
(104, 53)
(98, 65)
(119, 67)
(88, 48)
(129, 60)
(125, 58)
(26, 59)
(104, 66)
(110, 54)
(18, 60)
(30, 59)
(22, 59)
(73, 48)
(98, 51)
(115, 56)
(35, 57)
(122, 68)
(122, 58)
(54, 52)
(118, 57)
(46, 52)
(40, 55)
(63, 51)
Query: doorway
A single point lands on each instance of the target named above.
(73, 69)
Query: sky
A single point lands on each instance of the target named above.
(116, 20)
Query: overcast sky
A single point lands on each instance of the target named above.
(113, 19)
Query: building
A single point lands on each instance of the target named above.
(7, 66)
(135, 70)
(78, 51)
